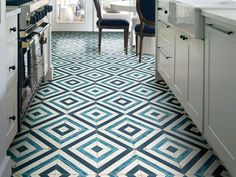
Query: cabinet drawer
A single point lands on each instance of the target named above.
(11, 28)
(163, 9)
(166, 38)
(166, 65)
(166, 46)
(11, 57)
(11, 115)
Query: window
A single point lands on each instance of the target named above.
(70, 11)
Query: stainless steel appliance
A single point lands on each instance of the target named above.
(34, 51)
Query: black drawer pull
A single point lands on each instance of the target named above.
(168, 58)
(218, 29)
(12, 118)
(166, 11)
(12, 67)
(183, 37)
(13, 29)
(159, 8)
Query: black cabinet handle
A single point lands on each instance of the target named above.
(13, 29)
(183, 37)
(159, 8)
(218, 29)
(166, 11)
(167, 26)
(12, 67)
(12, 118)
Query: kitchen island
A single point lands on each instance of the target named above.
(195, 52)
(220, 84)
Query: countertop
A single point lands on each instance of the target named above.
(208, 4)
(224, 15)
(12, 10)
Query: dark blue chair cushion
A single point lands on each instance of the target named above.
(113, 22)
(147, 29)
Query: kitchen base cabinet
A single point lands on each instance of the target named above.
(181, 65)
(11, 80)
(220, 96)
(189, 69)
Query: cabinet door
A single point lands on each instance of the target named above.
(195, 81)
(220, 96)
(181, 67)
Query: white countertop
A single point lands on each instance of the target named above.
(12, 10)
(224, 15)
(209, 4)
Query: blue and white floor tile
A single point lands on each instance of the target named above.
(104, 115)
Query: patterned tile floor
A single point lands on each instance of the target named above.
(105, 115)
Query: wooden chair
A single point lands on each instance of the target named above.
(146, 28)
(111, 24)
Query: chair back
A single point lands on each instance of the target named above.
(98, 9)
(146, 11)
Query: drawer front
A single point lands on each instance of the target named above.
(166, 46)
(11, 116)
(166, 38)
(11, 28)
(166, 30)
(11, 56)
(163, 9)
(166, 66)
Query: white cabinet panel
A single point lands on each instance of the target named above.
(11, 106)
(195, 81)
(220, 86)
(181, 67)
(11, 95)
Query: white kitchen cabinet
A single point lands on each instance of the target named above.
(180, 60)
(220, 87)
(188, 75)
(11, 80)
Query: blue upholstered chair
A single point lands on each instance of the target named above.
(111, 24)
(146, 28)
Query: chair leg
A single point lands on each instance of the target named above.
(136, 43)
(140, 48)
(99, 40)
(126, 37)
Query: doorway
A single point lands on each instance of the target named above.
(72, 15)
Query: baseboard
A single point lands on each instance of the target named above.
(6, 167)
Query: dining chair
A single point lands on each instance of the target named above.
(111, 24)
(146, 27)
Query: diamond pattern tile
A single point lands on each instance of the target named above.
(105, 115)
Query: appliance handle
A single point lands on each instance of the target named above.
(41, 28)
(27, 44)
